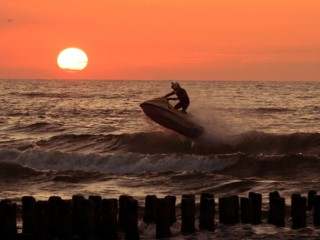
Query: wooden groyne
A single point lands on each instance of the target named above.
(98, 218)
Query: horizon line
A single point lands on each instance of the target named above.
(168, 80)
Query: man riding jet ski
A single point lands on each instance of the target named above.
(182, 96)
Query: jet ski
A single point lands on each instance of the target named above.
(162, 112)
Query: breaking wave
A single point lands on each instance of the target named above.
(251, 154)
(29, 162)
(168, 142)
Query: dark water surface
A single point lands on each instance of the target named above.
(91, 138)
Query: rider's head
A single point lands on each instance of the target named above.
(175, 86)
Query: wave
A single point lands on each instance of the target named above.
(14, 170)
(288, 166)
(273, 110)
(113, 163)
(71, 167)
(41, 95)
(64, 95)
(39, 127)
(165, 142)
(260, 110)
(268, 143)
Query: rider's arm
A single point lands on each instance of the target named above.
(169, 94)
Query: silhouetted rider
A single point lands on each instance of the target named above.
(182, 96)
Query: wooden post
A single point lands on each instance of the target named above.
(88, 231)
(172, 209)
(54, 215)
(229, 210)
(163, 221)
(293, 202)
(77, 214)
(109, 214)
(311, 195)
(8, 222)
(66, 219)
(256, 200)
(28, 215)
(299, 211)
(222, 205)
(150, 209)
(207, 210)
(316, 211)
(131, 226)
(246, 210)
(42, 223)
(279, 212)
(272, 199)
(188, 209)
(124, 202)
(276, 209)
(97, 200)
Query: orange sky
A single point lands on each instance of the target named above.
(163, 39)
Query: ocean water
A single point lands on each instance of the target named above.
(61, 137)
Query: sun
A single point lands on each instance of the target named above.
(72, 59)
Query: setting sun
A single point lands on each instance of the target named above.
(72, 59)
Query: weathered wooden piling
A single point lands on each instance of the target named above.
(128, 216)
(66, 219)
(77, 214)
(172, 209)
(42, 223)
(124, 201)
(163, 216)
(279, 212)
(54, 215)
(8, 222)
(316, 210)
(207, 211)
(299, 211)
(88, 231)
(89, 226)
(109, 217)
(83, 217)
(311, 195)
(97, 200)
(131, 225)
(256, 204)
(246, 210)
(272, 197)
(188, 211)
(276, 209)
(293, 202)
(229, 210)
(28, 215)
(150, 209)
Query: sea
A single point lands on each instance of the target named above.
(90, 137)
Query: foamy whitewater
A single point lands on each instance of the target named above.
(92, 138)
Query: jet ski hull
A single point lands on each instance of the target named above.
(162, 112)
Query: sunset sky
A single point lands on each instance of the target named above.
(163, 39)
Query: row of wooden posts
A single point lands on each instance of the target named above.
(97, 218)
